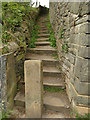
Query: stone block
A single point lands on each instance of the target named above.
(83, 39)
(82, 28)
(11, 80)
(84, 51)
(82, 20)
(81, 69)
(80, 8)
(33, 88)
(70, 57)
(80, 39)
(82, 88)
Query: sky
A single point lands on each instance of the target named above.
(42, 2)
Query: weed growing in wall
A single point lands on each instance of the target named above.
(52, 38)
(65, 47)
(65, 43)
(34, 37)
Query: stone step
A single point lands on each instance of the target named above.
(42, 39)
(42, 49)
(20, 112)
(51, 71)
(43, 25)
(46, 59)
(19, 99)
(51, 101)
(54, 81)
(43, 43)
(43, 28)
(53, 114)
(43, 31)
(44, 22)
(43, 35)
(56, 101)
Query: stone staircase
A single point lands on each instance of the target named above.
(56, 104)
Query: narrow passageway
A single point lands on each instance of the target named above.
(56, 103)
(44, 63)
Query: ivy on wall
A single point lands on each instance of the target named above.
(18, 21)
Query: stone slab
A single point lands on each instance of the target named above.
(33, 88)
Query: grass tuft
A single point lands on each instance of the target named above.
(53, 89)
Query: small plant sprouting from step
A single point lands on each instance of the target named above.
(65, 47)
(33, 37)
(53, 89)
(55, 56)
(59, 68)
(52, 38)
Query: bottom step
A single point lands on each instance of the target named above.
(56, 101)
(19, 112)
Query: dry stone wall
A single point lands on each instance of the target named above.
(71, 24)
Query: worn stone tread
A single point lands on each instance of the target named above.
(19, 112)
(56, 101)
(43, 48)
(43, 35)
(42, 39)
(51, 101)
(54, 81)
(52, 114)
(19, 99)
(46, 59)
(42, 43)
(40, 57)
(43, 31)
(50, 69)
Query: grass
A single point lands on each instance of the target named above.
(80, 117)
(53, 89)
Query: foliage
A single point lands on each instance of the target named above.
(17, 17)
(33, 37)
(65, 47)
(52, 38)
(84, 117)
(6, 114)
